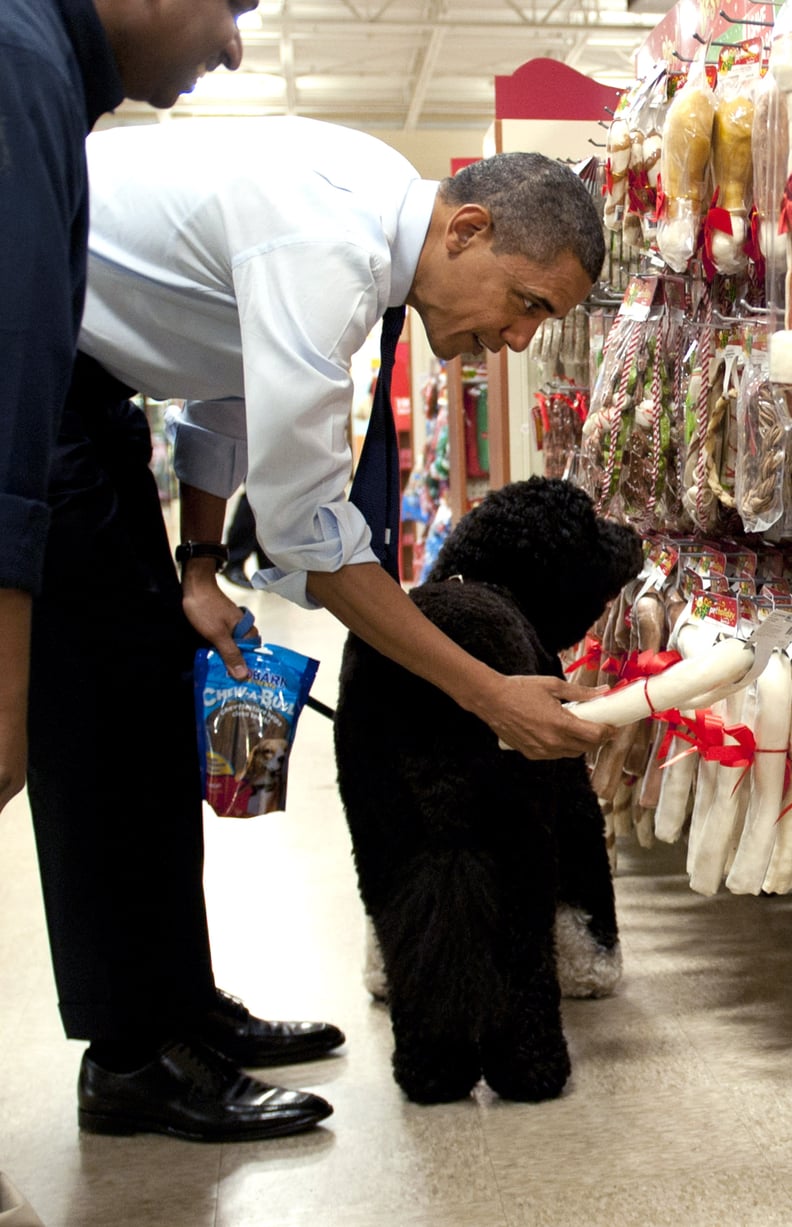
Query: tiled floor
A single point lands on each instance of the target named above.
(679, 1110)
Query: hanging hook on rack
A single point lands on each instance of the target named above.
(715, 43)
(743, 21)
(597, 144)
(762, 315)
(682, 58)
(705, 42)
(745, 314)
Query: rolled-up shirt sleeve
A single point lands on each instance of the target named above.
(210, 445)
(41, 190)
(305, 308)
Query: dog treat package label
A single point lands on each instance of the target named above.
(246, 729)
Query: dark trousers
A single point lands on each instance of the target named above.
(241, 537)
(113, 769)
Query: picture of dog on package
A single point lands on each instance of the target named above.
(263, 777)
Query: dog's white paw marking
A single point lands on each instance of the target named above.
(374, 977)
(585, 969)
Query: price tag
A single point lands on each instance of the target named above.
(774, 632)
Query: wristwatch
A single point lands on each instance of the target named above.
(203, 549)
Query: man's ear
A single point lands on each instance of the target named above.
(466, 223)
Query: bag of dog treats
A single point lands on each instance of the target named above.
(246, 729)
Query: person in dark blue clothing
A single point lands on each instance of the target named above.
(127, 925)
(242, 543)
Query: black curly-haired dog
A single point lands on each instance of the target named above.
(485, 874)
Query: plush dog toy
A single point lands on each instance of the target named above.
(485, 874)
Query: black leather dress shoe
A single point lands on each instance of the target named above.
(252, 1042)
(190, 1091)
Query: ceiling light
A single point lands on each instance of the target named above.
(238, 86)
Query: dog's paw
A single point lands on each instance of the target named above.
(436, 1072)
(374, 977)
(585, 968)
(538, 1071)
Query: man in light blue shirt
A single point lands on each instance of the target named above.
(239, 265)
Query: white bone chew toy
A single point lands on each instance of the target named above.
(697, 682)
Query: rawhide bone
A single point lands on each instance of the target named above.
(690, 683)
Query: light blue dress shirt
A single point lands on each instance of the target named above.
(239, 264)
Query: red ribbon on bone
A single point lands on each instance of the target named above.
(578, 404)
(661, 201)
(753, 247)
(707, 733)
(708, 739)
(714, 219)
(647, 664)
(641, 666)
(785, 219)
(541, 400)
(595, 658)
(640, 194)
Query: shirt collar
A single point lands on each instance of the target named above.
(102, 83)
(414, 217)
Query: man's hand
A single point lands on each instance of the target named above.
(13, 755)
(15, 609)
(525, 712)
(213, 614)
(528, 715)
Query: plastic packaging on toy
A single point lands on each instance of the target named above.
(712, 431)
(754, 852)
(246, 728)
(684, 161)
(770, 153)
(763, 431)
(726, 224)
(624, 443)
(618, 161)
(644, 120)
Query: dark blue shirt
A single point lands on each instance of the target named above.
(57, 76)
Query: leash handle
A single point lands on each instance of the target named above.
(244, 624)
(240, 631)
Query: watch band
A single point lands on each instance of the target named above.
(203, 549)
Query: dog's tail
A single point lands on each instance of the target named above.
(439, 934)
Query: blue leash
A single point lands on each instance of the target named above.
(241, 629)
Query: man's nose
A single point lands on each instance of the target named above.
(518, 335)
(232, 55)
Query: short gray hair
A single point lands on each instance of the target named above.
(539, 207)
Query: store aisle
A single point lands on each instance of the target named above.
(679, 1109)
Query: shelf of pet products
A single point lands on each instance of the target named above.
(717, 775)
(477, 429)
(464, 453)
(560, 411)
(688, 438)
(425, 504)
(557, 379)
(549, 384)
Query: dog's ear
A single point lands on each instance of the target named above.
(520, 534)
(623, 553)
(542, 542)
